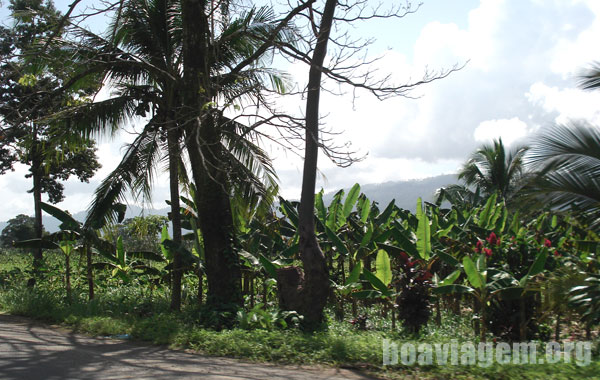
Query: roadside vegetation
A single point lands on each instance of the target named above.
(509, 255)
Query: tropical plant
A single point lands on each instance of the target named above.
(258, 317)
(124, 265)
(223, 65)
(586, 299)
(65, 241)
(85, 234)
(567, 158)
(492, 169)
(589, 79)
(147, 36)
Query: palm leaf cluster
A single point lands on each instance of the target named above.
(490, 169)
(568, 161)
(141, 60)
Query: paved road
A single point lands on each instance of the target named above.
(29, 350)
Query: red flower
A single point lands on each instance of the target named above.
(478, 246)
(424, 277)
(547, 243)
(492, 239)
(488, 252)
(557, 254)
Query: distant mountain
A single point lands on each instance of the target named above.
(51, 223)
(405, 193)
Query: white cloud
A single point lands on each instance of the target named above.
(511, 46)
(566, 103)
(509, 130)
(572, 52)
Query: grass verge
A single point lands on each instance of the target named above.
(148, 319)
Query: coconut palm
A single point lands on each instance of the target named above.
(458, 194)
(492, 169)
(590, 78)
(568, 160)
(145, 69)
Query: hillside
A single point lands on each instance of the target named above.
(404, 192)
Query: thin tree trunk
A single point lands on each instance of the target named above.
(438, 312)
(252, 290)
(200, 287)
(173, 146)
(476, 322)
(557, 328)
(265, 293)
(36, 167)
(315, 288)
(68, 277)
(522, 320)
(90, 273)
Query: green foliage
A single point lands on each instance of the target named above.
(21, 227)
(492, 169)
(258, 317)
(586, 299)
(384, 270)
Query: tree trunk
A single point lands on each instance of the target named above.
(557, 328)
(203, 142)
(223, 271)
(476, 322)
(314, 289)
(252, 290)
(200, 287)
(522, 320)
(37, 204)
(90, 273)
(173, 147)
(438, 311)
(68, 277)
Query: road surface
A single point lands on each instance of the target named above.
(30, 350)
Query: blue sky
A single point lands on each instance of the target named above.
(523, 56)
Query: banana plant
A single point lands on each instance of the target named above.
(484, 284)
(125, 265)
(66, 242)
(86, 233)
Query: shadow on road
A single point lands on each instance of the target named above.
(29, 350)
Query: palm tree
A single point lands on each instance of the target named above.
(568, 160)
(590, 78)
(458, 194)
(141, 60)
(491, 169)
(146, 70)
(222, 65)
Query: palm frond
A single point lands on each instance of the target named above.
(492, 169)
(590, 78)
(134, 173)
(568, 147)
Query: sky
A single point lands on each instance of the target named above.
(521, 59)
